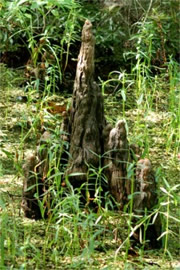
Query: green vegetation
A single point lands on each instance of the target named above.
(138, 71)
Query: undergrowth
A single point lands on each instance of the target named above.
(74, 236)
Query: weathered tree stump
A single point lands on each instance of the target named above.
(87, 112)
(93, 142)
(145, 186)
(119, 155)
(30, 188)
(145, 200)
(36, 183)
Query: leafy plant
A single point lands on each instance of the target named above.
(75, 237)
(46, 29)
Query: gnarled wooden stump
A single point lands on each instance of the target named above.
(92, 141)
(30, 188)
(87, 112)
(145, 200)
(35, 183)
(119, 154)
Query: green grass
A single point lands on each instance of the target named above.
(147, 97)
(75, 237)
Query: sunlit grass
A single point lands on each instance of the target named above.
(74, 236)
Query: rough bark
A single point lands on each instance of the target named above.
(145, 186)
(35, 183)
(145, 199)
(87, 112)
(30, 188)
(119, 154)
